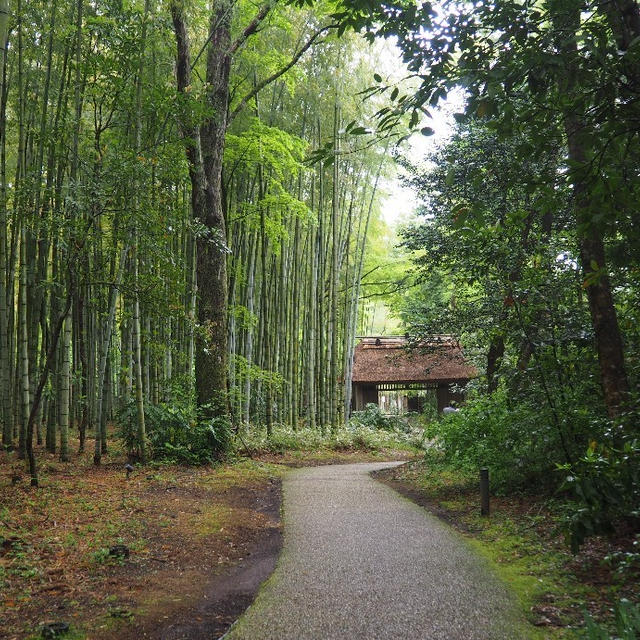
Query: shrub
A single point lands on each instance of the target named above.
(176, 433)
(526, 444)
(606, 484)
(520, 442)
(372, 417)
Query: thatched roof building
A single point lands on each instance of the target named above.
(386, 363)
(387, 360)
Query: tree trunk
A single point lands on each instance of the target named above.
(334, 280)
(205, 170)
(37, 396)
(590, 238)
(5, 401)
(104, 345)
(137, 367)
(141, 429)
(204, 145)
(65, 384)
(23, 344)
(248, 346)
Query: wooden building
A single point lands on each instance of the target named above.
(387, 364)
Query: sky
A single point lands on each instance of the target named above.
(400, 202)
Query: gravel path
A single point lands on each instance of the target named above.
(361, 562)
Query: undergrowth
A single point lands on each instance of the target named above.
(353, 437)
(283, 438)
(176, 433)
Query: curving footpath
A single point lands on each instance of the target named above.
(361, 562)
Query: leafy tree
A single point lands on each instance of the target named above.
(555, 71)
(108, 229)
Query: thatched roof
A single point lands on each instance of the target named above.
(387, 359)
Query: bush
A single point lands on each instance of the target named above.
(606, 485)
(525, 445)
(176, 433)
(520, 442)
(372, 418)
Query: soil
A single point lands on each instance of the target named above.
(201, 542)
(213, 603)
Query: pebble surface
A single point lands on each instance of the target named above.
(361, 562)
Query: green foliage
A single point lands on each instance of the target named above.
(519, 442)
(498, 267)
(373, 418)
(627, 624)
(245, 369)
(606, 484)
(355, 437)
(104, 556)
(284, 439)
(176, 433)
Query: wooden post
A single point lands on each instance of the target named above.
(484, 492)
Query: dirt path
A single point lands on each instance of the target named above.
(359, 561)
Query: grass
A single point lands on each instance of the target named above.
(523, 542)
(243, 471)
(534, 573)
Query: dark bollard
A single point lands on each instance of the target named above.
(484, 492)
(55, 630)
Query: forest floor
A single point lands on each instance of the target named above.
(523, 541)
(201, 541)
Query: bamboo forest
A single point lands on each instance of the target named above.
(104, 256)
(238, 237)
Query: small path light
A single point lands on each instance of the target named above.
(119, 551)
(484, 491)
(55, 629)
(128, 468)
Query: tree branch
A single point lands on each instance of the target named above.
(274, 76)
(251, 28)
